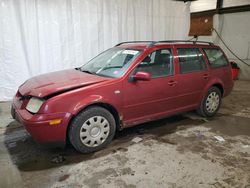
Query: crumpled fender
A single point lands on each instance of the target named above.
(90, 100)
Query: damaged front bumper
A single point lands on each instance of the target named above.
(39, 125)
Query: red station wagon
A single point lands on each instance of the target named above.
(132, 83)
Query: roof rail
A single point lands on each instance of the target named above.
(151, 43)
(186, 41)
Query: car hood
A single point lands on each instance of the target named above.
(58, 82)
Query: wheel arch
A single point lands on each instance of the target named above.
(216, 85)
(104, 105)
(220, 87)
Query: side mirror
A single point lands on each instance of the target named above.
(143, 76)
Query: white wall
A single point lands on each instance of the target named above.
(38, 36)
(235, 30)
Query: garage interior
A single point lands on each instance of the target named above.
(185, 150)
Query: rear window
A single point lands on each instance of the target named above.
(191, 60)
(215, 57)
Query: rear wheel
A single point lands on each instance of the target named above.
(210, 103)
(92, 129)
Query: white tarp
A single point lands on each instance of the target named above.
(38, 36)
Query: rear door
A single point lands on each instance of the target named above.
(193, 75)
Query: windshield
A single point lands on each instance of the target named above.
(111, 63)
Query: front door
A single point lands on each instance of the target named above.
(145, 100)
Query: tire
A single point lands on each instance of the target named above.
(92, 129)
(210, 103)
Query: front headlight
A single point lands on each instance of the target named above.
(34, 104)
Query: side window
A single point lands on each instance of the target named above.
(191, 60)
(158, 63)
(215, 57)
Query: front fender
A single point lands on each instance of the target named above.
(91, 100)
(86, 102)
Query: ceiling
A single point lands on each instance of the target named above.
(203, 5)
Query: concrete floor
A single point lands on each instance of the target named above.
(180, 151)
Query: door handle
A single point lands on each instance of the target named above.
(172, 83)
(205, 76)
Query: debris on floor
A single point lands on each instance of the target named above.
(200, 135)
(219, 138)
(64, 177)
(205, 120)
(12, 145)
(57, 159)
(244, 146)
(137, 139)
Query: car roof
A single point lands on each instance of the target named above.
(149, 44)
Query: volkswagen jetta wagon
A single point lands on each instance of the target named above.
(131, 83)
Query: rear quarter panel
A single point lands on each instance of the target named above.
(220, 75)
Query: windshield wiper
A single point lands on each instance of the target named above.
(112, 67)
(86, 71)
(108, 67)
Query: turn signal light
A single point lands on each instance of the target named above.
(55, 121)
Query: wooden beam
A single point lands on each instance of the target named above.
(226, 10)
(219, 4)
(203, 13)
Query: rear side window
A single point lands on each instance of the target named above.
(215, 57)
(191, 60)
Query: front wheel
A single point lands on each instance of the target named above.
(210, 103)
(92, 129)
